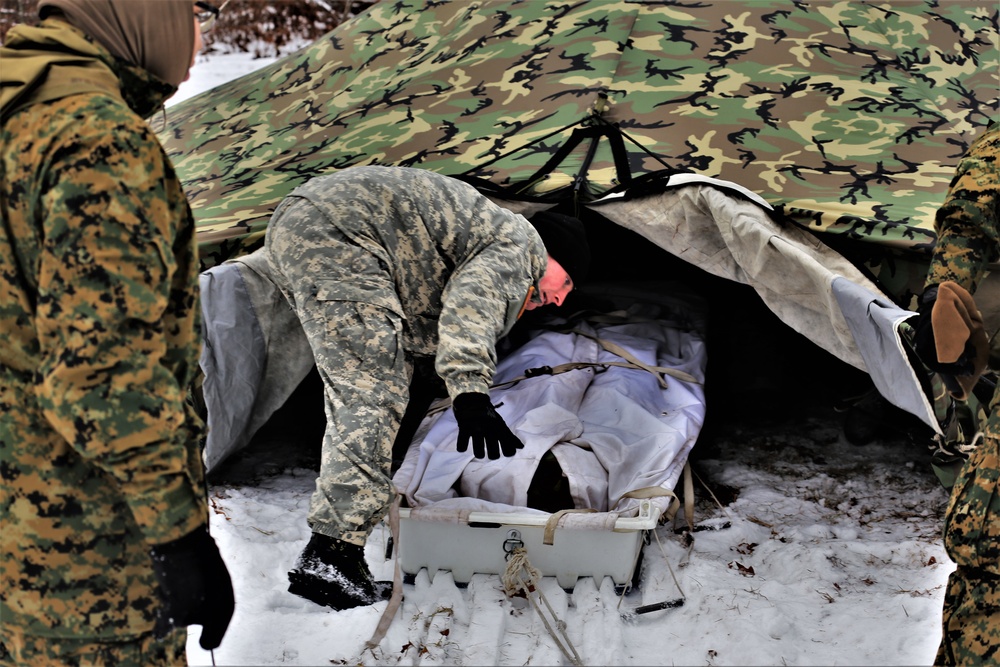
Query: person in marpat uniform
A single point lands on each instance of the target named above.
(382, 265)
(950, 339)
(105, 554)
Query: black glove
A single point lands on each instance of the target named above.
(926, 345)
(195, 587)
(479, 421)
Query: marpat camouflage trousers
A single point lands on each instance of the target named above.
(971, 615)
(344, 296)
(16, 648)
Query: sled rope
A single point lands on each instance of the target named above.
(669, 567)
(635, 562)
(675, 505)
(397, 579)
(631, 575)
(720, 505)
(513, 580)
(656, 491)
(689, 509)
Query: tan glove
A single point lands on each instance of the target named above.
(957, 323)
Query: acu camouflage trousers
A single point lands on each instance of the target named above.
(344, 296)
(971, 613)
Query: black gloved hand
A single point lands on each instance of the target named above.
(479, 421)
(926, 345)
(195, 586)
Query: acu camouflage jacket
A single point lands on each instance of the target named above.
(99, 339)
(461, 267)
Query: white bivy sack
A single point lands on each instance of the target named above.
(615, 394)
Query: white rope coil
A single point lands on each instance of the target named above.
(519, 576)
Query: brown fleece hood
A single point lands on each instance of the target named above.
(156, 35)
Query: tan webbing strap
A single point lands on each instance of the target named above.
(688, 496)
(658, 371)
(551, 525)
(630, 362)
(655, 492)
(675, 503)
(639, 494)
(397, 578)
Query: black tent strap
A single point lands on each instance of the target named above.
(518, 149)
(618, 130)
(593, 133)
(591, 130)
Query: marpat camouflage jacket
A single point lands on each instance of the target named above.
(968, 227)
(99, 340)
(967, 223)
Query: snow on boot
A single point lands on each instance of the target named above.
(334, 573)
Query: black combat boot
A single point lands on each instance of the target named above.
(334, 573)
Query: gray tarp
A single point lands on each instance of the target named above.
(254, 356)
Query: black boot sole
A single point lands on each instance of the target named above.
(307, 587)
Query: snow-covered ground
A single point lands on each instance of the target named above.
(823, 553)
(819, 552)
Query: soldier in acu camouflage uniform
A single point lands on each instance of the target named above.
(104, 548)
(382, 264)
(968, 226)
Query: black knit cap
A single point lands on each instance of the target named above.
(566, 242)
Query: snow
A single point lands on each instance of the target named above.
(214, 70)
(824, 553)
(818, 552)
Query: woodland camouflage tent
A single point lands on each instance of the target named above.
(847, 117)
